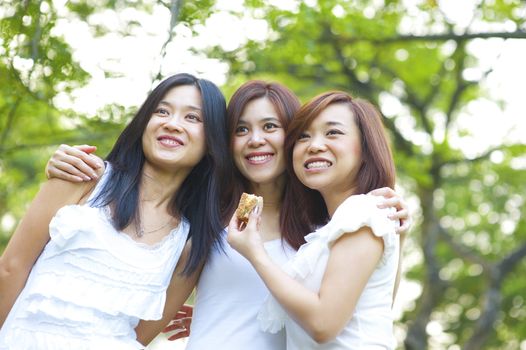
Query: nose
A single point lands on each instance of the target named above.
(173, 123)
(316, 145)
(256, 139)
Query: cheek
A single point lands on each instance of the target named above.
(237, 150)
(297, 160)
(199, 139)
(356, 150)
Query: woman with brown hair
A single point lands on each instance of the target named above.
(337, 291)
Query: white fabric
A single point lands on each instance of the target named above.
(91, 285)
(371, 326)
(229, 295)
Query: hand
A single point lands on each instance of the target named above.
(393, 200)
(246, 239)
(74, 164)
(180, 323)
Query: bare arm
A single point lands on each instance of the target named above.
(30, 237)
(324, 314)
(178, 292)
(74, 163)
(399, 269)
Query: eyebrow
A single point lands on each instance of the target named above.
(195, 108)
(334, 123)
(264, 120)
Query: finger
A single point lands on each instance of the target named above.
(392, 202)
(91, 160)
(81, 165)
(253, 218)
(172, 327)
(189, 309)
(233, 224)
(384, 192)
(401, 215)
(59, 168)
(404, 227)
(180, 335)
(86, 148)
(65, 171)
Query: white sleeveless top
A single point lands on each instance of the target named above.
(229, 295)
(371, 326)
(91, 285)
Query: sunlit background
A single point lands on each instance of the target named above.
(461, 165)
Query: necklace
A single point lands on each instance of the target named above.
(140, 231)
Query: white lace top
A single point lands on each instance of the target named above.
(371, 326)
(91, 285)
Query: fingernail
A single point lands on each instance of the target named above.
(94, 176)
(87, 178)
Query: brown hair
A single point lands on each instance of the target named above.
(285, 102)
(377, 168)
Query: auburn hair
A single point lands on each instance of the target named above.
(285, 102)
(376, 170)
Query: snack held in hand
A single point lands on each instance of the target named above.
(247, 202)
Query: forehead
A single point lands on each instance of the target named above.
(258, 109)
(183, 95)
(338, 113)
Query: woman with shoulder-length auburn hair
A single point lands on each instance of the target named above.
(337, 291)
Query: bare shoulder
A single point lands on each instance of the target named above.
(363, 238)
(57, 191)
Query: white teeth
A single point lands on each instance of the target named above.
(169, 142)
(318, 165)
(259, 158)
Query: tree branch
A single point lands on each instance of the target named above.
(434, 286)
(90, 138)
(9, 122)
(175, 8)
(493, 299)
(483, 156)
(518, 34)
(507, 264)
(462, 250)
(368, 89)
(411, 99)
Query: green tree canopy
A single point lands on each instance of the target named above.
(420, 66)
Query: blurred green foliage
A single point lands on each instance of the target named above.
(469, 236)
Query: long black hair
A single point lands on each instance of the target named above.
(198, 198)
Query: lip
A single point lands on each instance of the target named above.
(170, 141)
(314, 160)
(257, 158)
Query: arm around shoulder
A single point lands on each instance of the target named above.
(31, 235)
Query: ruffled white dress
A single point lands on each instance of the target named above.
(371, 326)
(91, 285)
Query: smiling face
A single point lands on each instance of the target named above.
(327, 155)
(174, 137)
(258, 143)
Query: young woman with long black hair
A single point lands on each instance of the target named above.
(93, 264)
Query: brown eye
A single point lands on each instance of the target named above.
(270, 126)
(162, 112)
(240, 130)
(303, 136)
(193, 117)
(334, 132)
